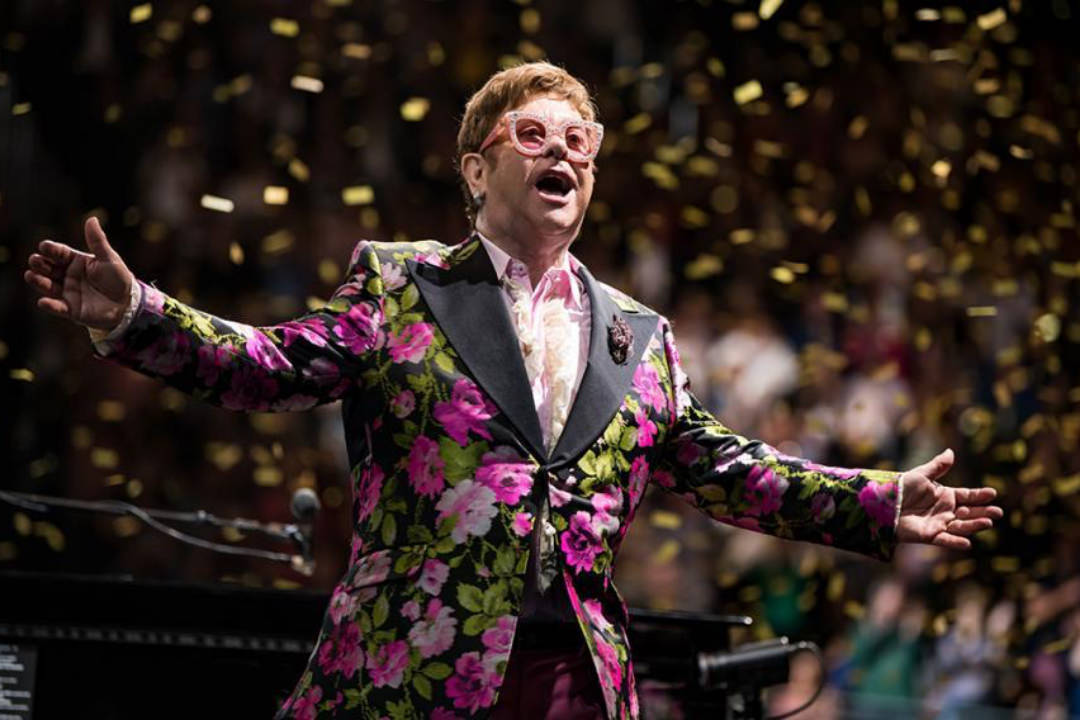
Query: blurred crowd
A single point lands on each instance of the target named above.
(860, 218)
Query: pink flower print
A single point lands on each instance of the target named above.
(426, 467)
(265, 353)
(393, 276)
(822, 507)
(764, 490)
(663, 478)
(403, 404)
(647, 385)
(358, 328)
(473, 506)
(559, 497)
(611, 671)
(581, 543)
(433, 576)
(506, 474)
(388, 663)
(341, 652)
(312, 329)
(607, 502)
(836, 472)
(342, 605)
(212, 360)
(410, 343)
(322, 372)
(473, 684)
(646, 428)
(167, 355)
(368, 490)
(444, 714)
(371, 570)
(522, 524)
(434, 634)
(432, 258)
(879, 502)
(639, 476)
(498, 639)
(306, 708)
(356, 548)
(467, 410)
(152, 298)
(411, 610)
(595, 613)
(251, 389)
(688, 453)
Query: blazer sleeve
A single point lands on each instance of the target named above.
(749, 484)
(290, 366)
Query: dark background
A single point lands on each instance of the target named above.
(872, 261)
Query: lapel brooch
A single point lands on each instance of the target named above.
(620, 339)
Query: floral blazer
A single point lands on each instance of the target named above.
(449, 468)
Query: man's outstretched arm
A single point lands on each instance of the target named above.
(751, 484)
(289, 366)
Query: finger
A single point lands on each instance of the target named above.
(57, 252)
(44, 285)
(975, 496)
(54, 305)
(40, 265)
(938, 465)
(967, 512)
(96, 240)
(953, 542)
(968, 527)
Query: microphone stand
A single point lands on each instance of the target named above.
(303, 562)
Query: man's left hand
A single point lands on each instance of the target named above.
(940, 515)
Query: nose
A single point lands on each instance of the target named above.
(556, 145)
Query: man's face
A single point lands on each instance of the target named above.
(520, 196)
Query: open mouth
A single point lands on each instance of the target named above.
(554, 185)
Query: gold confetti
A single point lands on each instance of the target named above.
(358, 195)
(530, 21)
(982, 311)
(782, 274)
(927, 15)
(744, 21)
(703, 266)
(111, 410)
(299, 170)
(236, 253)
(941, 168)
(768, 8)
(213, 202)
(20, 108)
(202, 14)
(275, 195)
(307, 84)
(105, 458)
(268, 476)
(414, 109)
(748, 92)
(1048, 327)
(23, 374)
(991, 20)
(284, 27)
(357, 51)
(141, 13)
(665, 520)
(637, 123)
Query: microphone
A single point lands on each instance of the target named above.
(304, 506)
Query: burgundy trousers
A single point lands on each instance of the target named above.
(550, 685)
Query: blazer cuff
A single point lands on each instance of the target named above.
(103, 339)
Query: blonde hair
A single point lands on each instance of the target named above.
(506, 90)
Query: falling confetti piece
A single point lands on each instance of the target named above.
(414, 109)
(202, 14)
(307, 84)
(982, 311)
(991, 20)
(141, 13)
(748, 92)
(299, 170)
(358, 195)
(213, 202)
(356, 51)
(236, 254)
(768, 8)
(20, 108)
(24, 374)
(637, 123)
(284, 27)
(665, 520)
(275, 195)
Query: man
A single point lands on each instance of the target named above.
(503, 412)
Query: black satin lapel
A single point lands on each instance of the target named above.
(466, 302)
(605, 383)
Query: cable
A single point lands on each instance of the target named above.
(821, 685)
(37, 503)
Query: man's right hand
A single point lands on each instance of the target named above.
(90, 289)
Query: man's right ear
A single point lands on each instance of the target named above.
(474, 170)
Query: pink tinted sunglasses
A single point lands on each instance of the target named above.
(530, 133)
